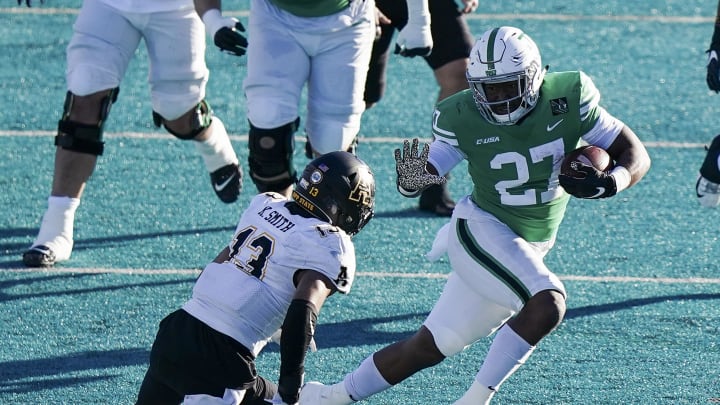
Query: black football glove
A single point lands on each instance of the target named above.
(28, 2)
(230, 39)
(593, 184)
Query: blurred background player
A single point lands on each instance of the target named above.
(285, 258)
(452, 42)
(708, 183)
(323, 44)
(499, 235)
(105, 37)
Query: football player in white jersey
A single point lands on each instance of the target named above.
(105, 37)
(324, 44)
(285, 258)
(708, 183)
(513, 126)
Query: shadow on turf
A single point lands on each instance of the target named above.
(38, 293)
(637, 302)
(22, 376)
(11, 251)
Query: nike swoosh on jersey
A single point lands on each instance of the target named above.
(553, 126)
(221, 186)
(601, 191)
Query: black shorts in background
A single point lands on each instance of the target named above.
(452, 40)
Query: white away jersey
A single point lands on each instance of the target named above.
(247, 296)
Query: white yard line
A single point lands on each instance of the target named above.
(147, 272)
(244, 138)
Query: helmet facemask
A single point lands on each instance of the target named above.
(505, 75)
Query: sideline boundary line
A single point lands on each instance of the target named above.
(150, 272)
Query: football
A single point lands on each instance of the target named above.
(590, 155)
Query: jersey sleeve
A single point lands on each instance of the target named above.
(598, 126)
(589, 99)
(327, 250)
(445, 152)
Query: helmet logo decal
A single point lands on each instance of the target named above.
(316, 177)
(491, 60)
(361, 194)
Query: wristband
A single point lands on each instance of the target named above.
(622, 177)
(213, 21)
(408, 193)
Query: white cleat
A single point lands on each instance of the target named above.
(708, 193)
(315, 393)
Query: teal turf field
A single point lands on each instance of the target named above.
(641, 269)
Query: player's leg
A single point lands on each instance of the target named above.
(153, 391)
(277, 70)
(203, 365)
(178, 77)
(97, 58)
(509, 270)
(708, 182)
(376, 81)
(452, 44)
(453, 324)
(337, 81)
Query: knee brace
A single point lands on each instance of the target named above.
(270, 156)
(84, 138)
(199, 120)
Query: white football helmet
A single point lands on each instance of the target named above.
(505, 58)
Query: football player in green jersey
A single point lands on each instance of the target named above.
(513, 126)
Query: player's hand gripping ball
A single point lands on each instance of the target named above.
(585, 173)
(590, 155)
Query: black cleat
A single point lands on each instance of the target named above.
(436, 199)
(39, 256)
(227, 182)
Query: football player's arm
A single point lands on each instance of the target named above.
(713, 65)
(298, 330)
(629, 153)
(631, 163)
(225, 31)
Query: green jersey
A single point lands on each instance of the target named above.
(311, 8)
(514, 168)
